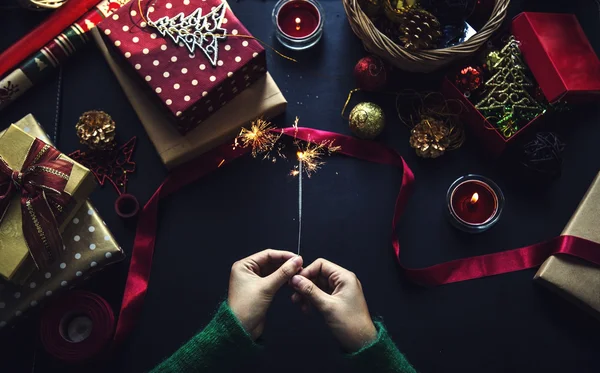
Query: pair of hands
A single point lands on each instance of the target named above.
(334, 291)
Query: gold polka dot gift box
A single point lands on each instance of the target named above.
(88, 247)
(193, 55)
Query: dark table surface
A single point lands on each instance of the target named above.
(499, 324)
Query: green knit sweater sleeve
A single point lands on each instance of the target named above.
(222, 346)
(381, 355)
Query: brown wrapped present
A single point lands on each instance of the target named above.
(576, 279)
(89, 247)
(263, 98)
(46, 188)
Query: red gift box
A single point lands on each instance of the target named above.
(190, 86)
(559, 56)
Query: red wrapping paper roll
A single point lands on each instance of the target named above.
(36, 39)
(83, 317)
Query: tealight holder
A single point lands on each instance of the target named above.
(474, 203)
(298, 23)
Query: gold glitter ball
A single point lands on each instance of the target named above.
(367, 120)
(430, 138)
(96, 129)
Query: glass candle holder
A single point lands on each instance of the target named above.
(474, 203)
(298, 23)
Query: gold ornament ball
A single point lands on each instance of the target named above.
(367, 120)
(96, 129)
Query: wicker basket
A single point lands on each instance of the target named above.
(421, 60)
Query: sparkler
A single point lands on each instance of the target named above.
(309, 161)
(262, 137)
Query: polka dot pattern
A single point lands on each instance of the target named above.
(178, 77)
(81, 257)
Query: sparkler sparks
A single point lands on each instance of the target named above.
(310, 154)
(261, 138)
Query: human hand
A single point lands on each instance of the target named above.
(253, 283)
(337, 294)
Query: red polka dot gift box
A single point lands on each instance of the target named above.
(194, 55)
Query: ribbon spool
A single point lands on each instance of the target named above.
(77, 327)
(127, 206)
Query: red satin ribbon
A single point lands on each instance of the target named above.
(41, 183)
(61, 311)
(444, 273)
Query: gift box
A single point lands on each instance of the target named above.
(89, 247)
(573, 278)
(262, 98)
(560, 58)
(192, 56)
(44, 189)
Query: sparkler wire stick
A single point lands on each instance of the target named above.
(299, 201)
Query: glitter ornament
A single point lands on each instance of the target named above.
(420, 29)
(430, 138)
(96, 129)
(395, 9)
(367, 120)
(469, 79)
(507, 100)
(491, 60)
(370, 73)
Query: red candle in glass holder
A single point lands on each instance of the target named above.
(298, 19)
(474, 202)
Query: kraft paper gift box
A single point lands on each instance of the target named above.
(262, 98)
(573, 278)
(189, 87)
(16, 262)
(561, 59)
(89, 247)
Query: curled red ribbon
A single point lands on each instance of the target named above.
(41, 183)
(444, 273)
(58, 314)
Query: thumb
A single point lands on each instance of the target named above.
(284, 273)
(310, 291)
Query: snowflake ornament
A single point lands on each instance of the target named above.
(195, 30)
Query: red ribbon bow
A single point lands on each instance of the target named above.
(41, 183)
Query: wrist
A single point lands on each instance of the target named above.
(361, 335)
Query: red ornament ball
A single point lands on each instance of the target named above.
(469, 79)
(370, 73)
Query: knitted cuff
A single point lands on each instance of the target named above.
(381, 354)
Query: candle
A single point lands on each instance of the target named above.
(298, 23)
(474, 203)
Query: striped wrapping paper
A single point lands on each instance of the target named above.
(53, 54)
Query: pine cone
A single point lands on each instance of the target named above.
(96, 129)
(430, 138)
(421, 30)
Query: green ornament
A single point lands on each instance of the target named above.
(491, 60)
(367, 120)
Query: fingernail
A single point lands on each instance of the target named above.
(298, 260)
(296, 280)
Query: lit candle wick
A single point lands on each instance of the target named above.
(298, 21)
(474, 198)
